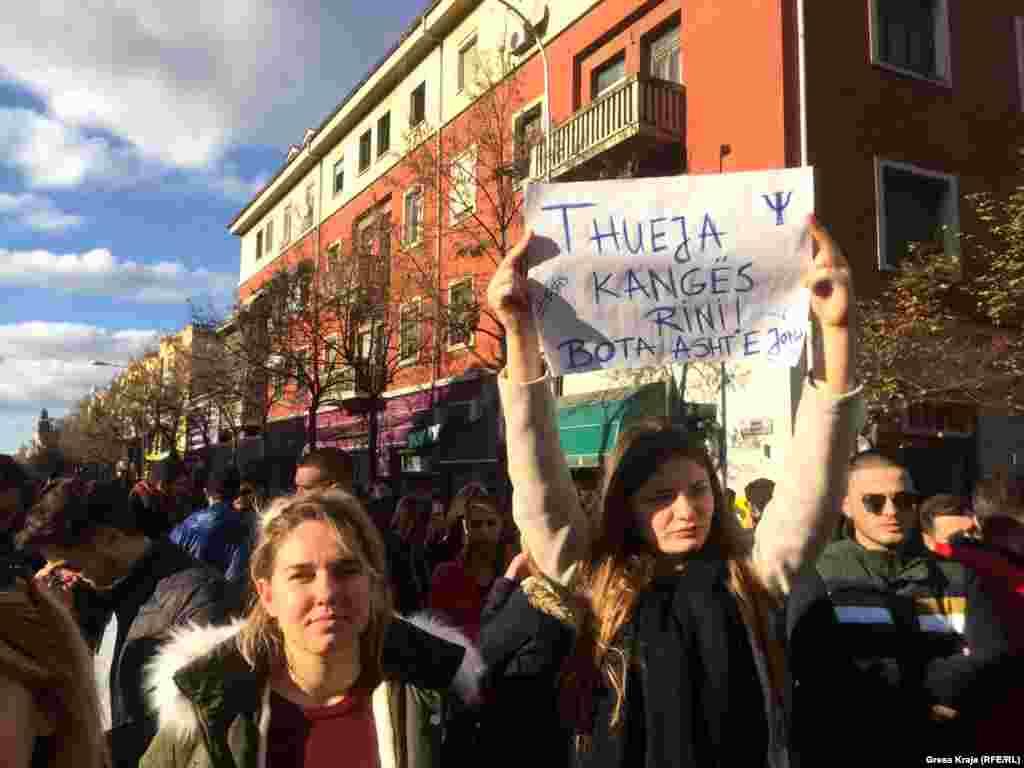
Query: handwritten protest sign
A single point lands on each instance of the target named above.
(639, 272)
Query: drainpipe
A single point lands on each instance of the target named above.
(801, 34)
(435, 363)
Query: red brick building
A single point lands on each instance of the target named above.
(902, 107)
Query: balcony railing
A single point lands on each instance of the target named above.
(636, 106)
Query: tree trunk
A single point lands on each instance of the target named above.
(372, 431)
(314, 406)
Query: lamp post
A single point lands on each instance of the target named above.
(547, 78)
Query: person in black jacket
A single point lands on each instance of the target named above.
(528, 629)
(17, 492)
(128, 591)
(922, 634)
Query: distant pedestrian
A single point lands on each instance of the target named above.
(459, 587)
(219, 535)
(132, 591)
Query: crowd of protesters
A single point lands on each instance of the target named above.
(836, 617)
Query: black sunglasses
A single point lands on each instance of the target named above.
(875, 502)
(475, 524)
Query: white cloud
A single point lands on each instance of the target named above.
(98, 273)
(47, 365)
(71, 343)
(50, 154)
(231, 186)
(36, 213)
(178, 80)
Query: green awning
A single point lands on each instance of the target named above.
(419, 439)
(590, 424)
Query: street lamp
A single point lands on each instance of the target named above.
(105, 364)
(544, 56)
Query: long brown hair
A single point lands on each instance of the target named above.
(622, 565)
(260, 640)
(41, 648)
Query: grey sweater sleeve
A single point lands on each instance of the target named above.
(796, 526)
(545, 505)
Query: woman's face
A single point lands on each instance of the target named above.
(318, 593)
(482, 526)
(673, 509)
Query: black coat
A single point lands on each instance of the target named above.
(166, 589)
(523, 649)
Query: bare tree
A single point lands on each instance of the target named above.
(324, 332)
(462, 193)
(231, 390)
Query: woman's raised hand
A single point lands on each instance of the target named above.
(829, 280)
(509, 298)
(834, 310)
(508, 294)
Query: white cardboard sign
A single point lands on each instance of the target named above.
(640, 272)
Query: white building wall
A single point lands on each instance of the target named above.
(757, 391)
(490, 22)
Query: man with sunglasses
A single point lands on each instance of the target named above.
(920, 632)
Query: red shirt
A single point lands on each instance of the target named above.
(458, 598)
(342, 734)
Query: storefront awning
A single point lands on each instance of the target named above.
(421, 439)
(590, 424)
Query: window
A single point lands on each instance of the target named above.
(462, 185)
(664, 59)
(373, 248)
(1019, 23)
(529, 132)
(339, 175)
(413, 217)
(384, 134)
(277, 377)
(268, 239)
(296, 294)
(409, 331)
(287, 234)
(259, 245)
(469, 61)
(365, 150)
(309, 203)
(913, 207)
(371, 342)
(912, 36)
(607, 75)
(334, 255)
(461, 306)
(418, 105)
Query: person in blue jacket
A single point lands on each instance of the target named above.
(218, 535)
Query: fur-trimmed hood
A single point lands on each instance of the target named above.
(420, 650)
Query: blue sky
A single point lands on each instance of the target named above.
(130, 135)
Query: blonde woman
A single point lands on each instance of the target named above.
(49, 710)
(319, 671)
(675, 663)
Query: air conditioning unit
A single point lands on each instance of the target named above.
(755, 426)
(520, 40)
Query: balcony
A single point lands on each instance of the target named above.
(653, 110)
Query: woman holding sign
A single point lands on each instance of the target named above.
(676, 662)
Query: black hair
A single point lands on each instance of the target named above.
(69, 510)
